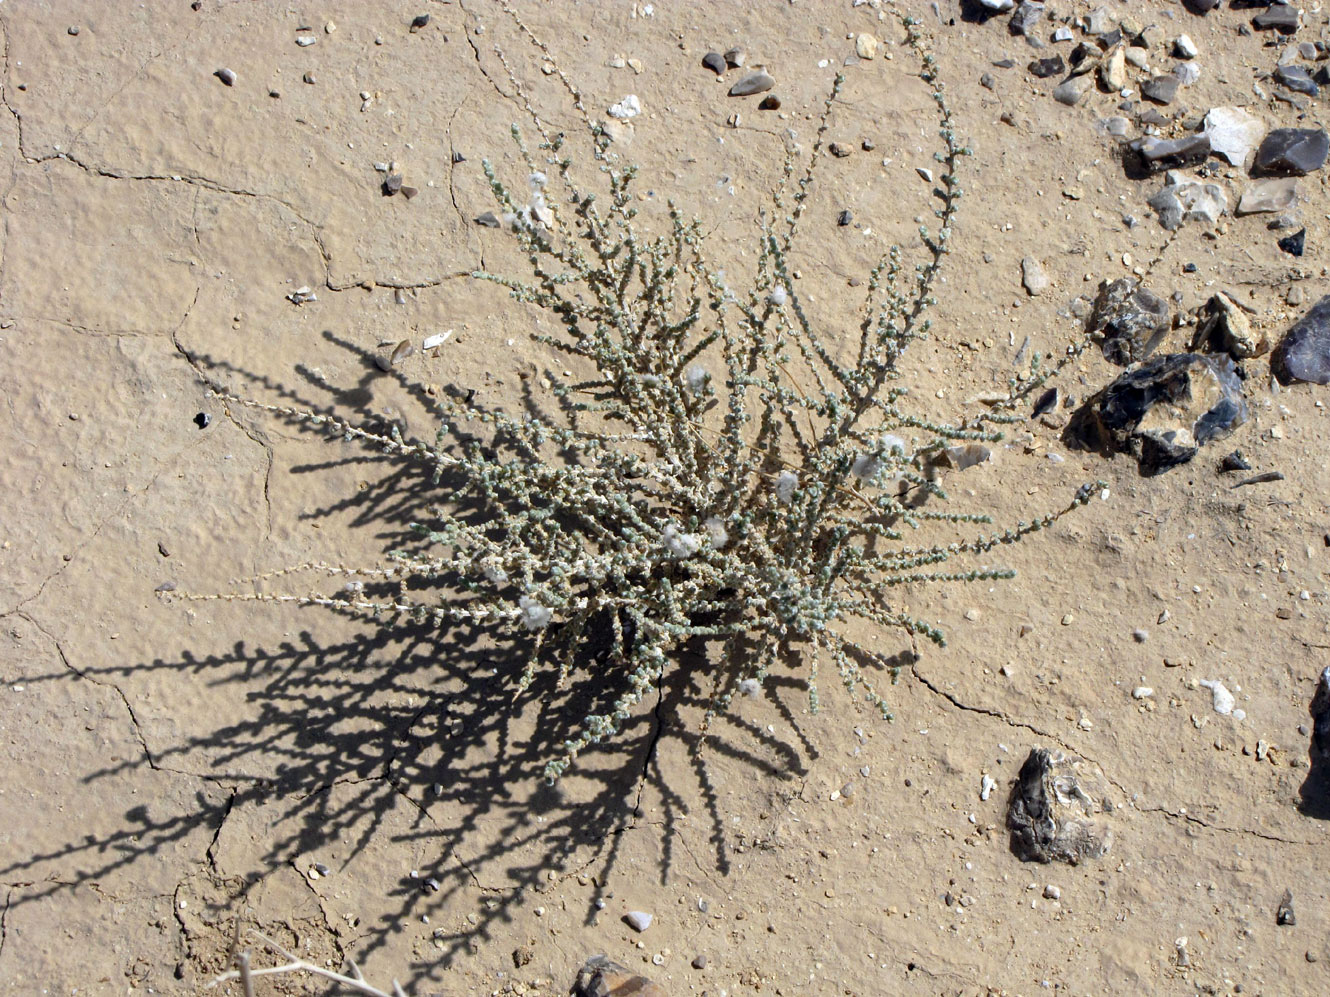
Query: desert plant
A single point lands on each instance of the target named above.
(720, 471)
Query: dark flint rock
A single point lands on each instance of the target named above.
(1055, 809)
(769, 103)
(1044, 68)
(715, 62)
(1161, 89)
(1223, 327)
(392, 184)
(1297, 79)
(1292, 151)
(1320, 711)
(1200, 6)
(1157, 154)
(986, 81)
(1294, 244)
(1304, 352)
(844, 218)
(1130, 319)
(1046, 402)
(1027, 15)
(1162, 412)
(1004, 63)
(1284, 915)
(489, 219)
(1281, 18)
(600, 977)
(1234, 462)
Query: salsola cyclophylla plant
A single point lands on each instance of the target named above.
(723, 472)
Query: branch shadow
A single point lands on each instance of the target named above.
(339, 733)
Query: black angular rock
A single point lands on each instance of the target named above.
(1281, 18)
(1054, 813)
(1294, 244)
(1200, 6)
(1044, 68)
(1304, 352)
(1297, 79)
(1234, 462)
(1320, 710)
(1292, 152)
(715, 62)
(1163, 412)
(1166, 154)
(1130, 320)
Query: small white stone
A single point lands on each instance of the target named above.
(1142, 692)
(1185, 48)
(638, 920)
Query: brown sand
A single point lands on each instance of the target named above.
(169, 766)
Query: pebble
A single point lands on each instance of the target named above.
(73, 29)
(1033, 276)
(838, 150)
(1070, 91)
(1222, 700)
(305, 41)
(432, 342)
(1063, 34)
(418, 22)
(699, 962)
(1187, 73)
(986, 787)
(1142, 692)
(227, 76)
(1185, 48)
(715, 62)
(1284, 913)
(1183, 200)
(758, 82)
(1044, 68)
(1140, 636)
(735, 58)
(1051, 892)
(844, 218)
(309, 78)
(865, 46)
(769, 103)
(1297, 79)
(629, 107)
(638, 920)
(1161, 89)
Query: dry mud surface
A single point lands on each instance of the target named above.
(170, 767)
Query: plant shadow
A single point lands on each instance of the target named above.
(405, 717)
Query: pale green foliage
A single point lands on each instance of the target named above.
(720, 473)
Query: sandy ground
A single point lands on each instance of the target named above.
(170, 768)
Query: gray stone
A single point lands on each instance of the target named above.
(1033, 277)
(1185, 200)
(1129, 319)
(1185, 48)
(758, 82)
(1297, 79)
(1320, 710)
(1070, 91)
(1304, 352)
(715, 62)
(1027, 15)
(1277, 194)
(638, 920)
(1164, 411)
(1200, 6)
(1187, 73)
(1063, 34)
(1097, 22)
(1293, 151)
(1057, 808)
(1223, 327)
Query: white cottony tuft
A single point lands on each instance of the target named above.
(751, 688)
(695, 378)
(534, 615)
(494, 573)
(786, 483)
(867, 466)
(778, 296)
(537, 180)
(680, 544)
(720, 536)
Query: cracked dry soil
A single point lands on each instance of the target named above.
(172, 768)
